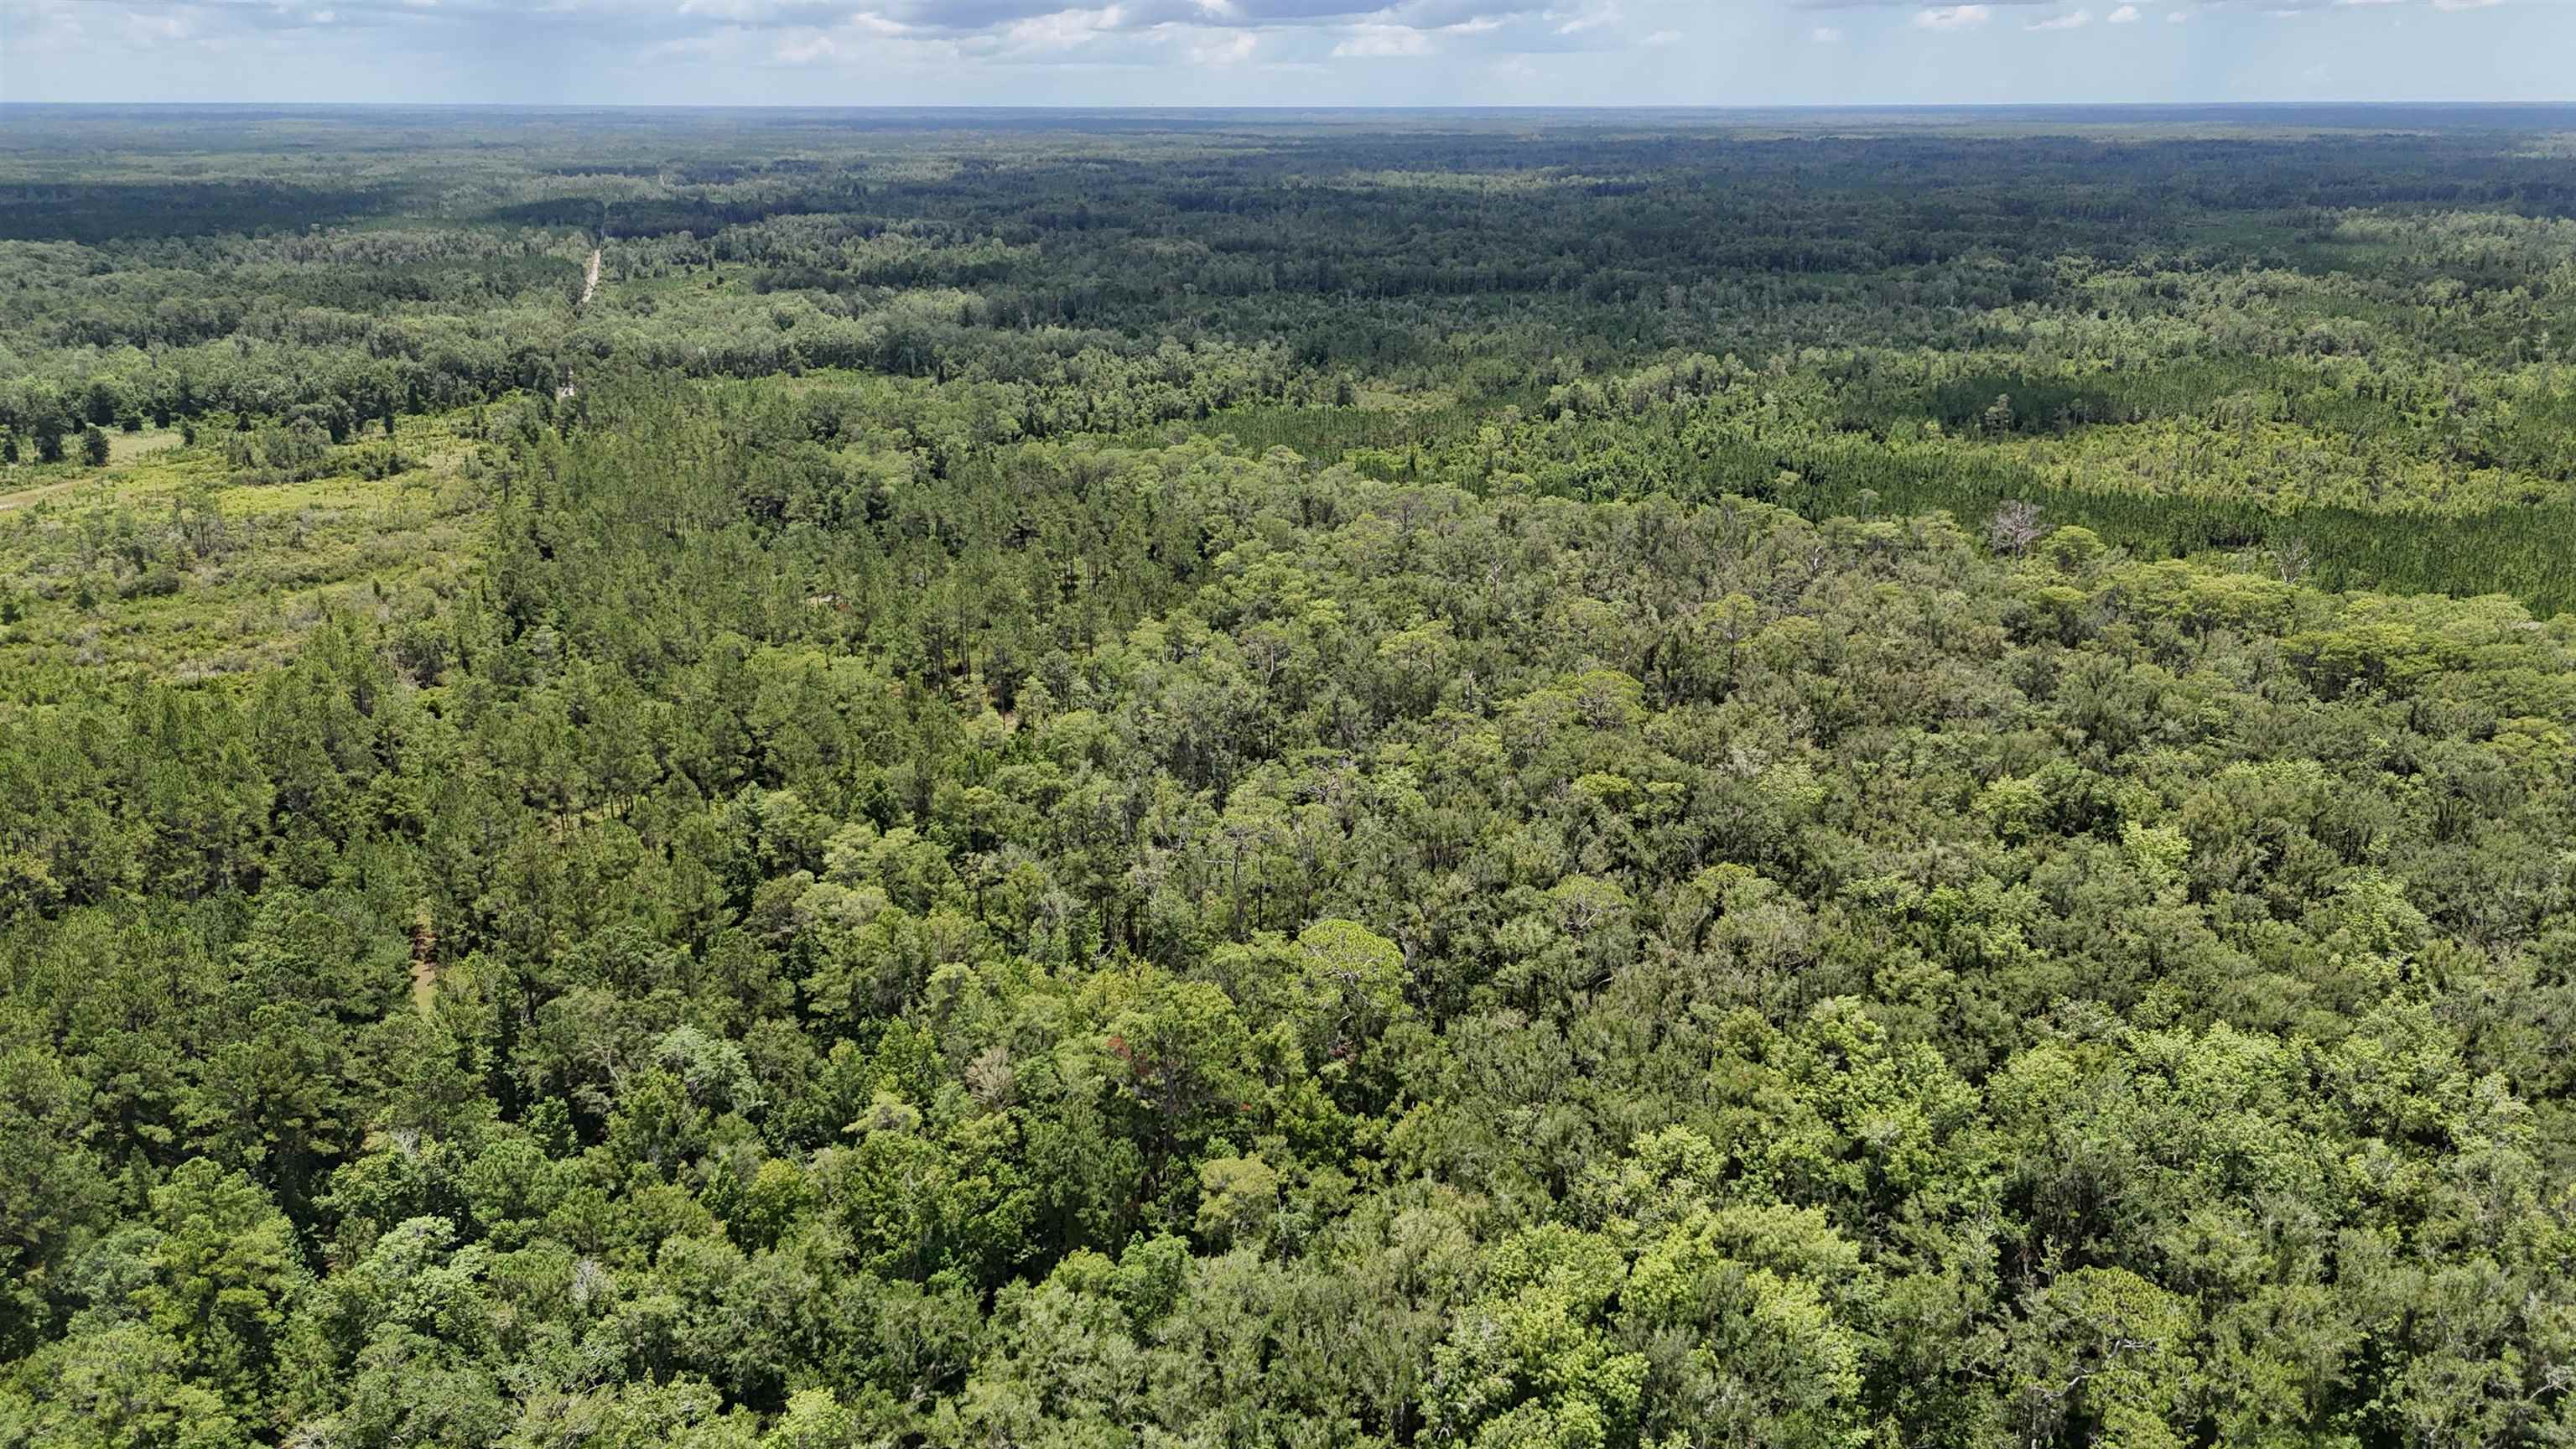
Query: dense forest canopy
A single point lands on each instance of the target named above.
(801, 779)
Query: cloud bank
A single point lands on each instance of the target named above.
(1393, 52)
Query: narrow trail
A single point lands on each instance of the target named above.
(589, 289)
(424, 963)
(38, 494)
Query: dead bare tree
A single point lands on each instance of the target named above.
(2290, 558)
(2015, 526)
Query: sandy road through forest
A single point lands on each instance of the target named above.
(589, 289)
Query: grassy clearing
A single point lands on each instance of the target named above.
(125, 448)
(163, 564)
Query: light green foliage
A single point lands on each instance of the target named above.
(1237, 1198)
(1528, 1362)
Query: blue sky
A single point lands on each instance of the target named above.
(1285, 52)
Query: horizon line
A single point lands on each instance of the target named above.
(964, 107)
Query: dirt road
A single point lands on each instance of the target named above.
(589, 289)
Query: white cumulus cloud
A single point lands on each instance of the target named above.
(1232, 49)
(1382, 42)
